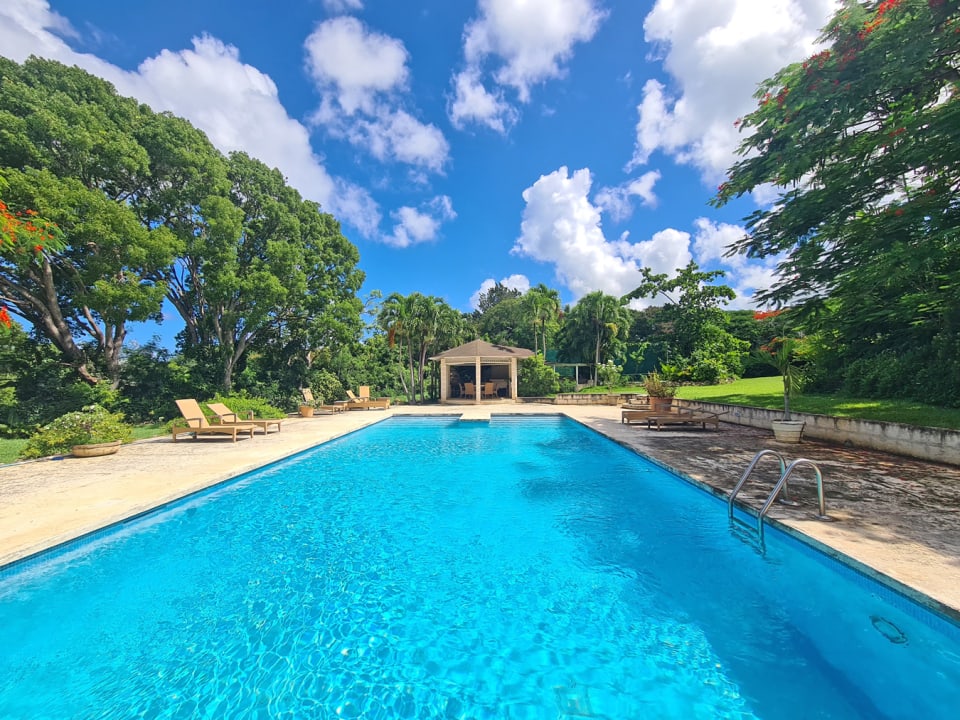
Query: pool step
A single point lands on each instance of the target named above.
(475, 415)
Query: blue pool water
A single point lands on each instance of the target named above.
(431, 568)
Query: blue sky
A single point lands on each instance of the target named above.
(569, 142)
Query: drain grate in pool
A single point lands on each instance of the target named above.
(890, 631)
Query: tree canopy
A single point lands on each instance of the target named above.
(691, 326)
(863, 142)
(146, 209)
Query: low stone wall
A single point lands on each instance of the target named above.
(933, 444)
(587, 399)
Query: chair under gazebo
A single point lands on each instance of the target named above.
(480, 371)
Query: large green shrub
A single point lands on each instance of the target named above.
(536, 379)
(92, 424)
(609, 374)
(326, 386)
(242, 404)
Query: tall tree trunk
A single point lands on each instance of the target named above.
(42, 309)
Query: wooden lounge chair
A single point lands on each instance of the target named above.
(364, 393)
(633, 415)
(226, 416)
(684, 416)
(357, 403)
(198, 425)
(309, 400)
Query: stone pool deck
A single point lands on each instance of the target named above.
(895, 516)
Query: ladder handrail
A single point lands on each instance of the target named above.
(782, 482)
(746, 474)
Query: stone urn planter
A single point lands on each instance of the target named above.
(95, 449)
(306, 411)
(787, 431)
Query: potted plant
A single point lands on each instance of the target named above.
(306, 410)
(660, 391)
(781, 354)
(89, 432)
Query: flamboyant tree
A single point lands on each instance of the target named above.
(863, 142)
(111, 174)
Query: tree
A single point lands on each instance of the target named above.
(598, 325)
(697, 344)
(861, 140)
(111, 175)
(506, 323)
(543, 308)
(263, 265)
(419, 325)
(494, 295)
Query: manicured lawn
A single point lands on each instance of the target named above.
(767, 392)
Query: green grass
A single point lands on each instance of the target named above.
(767, 392)
(9, 449)
(142, 432)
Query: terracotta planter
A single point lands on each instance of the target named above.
(306, 411)
(95, 449)
(660, 404)
(787, 431)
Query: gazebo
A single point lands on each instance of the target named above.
(476, 363)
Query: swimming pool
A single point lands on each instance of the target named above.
(436, 568)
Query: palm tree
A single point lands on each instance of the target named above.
(544, 307)
(415, 323)
(598, 324)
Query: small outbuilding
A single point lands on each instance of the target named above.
(479, 370)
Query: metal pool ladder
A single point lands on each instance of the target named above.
(781, 485)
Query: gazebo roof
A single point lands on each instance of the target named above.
(483, 350)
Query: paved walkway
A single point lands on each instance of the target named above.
(898, 516)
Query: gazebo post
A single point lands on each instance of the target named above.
(444, 381)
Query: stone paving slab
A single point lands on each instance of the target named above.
(897, 516)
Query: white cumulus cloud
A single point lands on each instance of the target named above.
(413, 225)
(473, 103)
(354, 63)
(517, 45)
(562, 227)
(363, 80)
(716, 52)
(235, 104)
(617, 201)
(342, 6)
